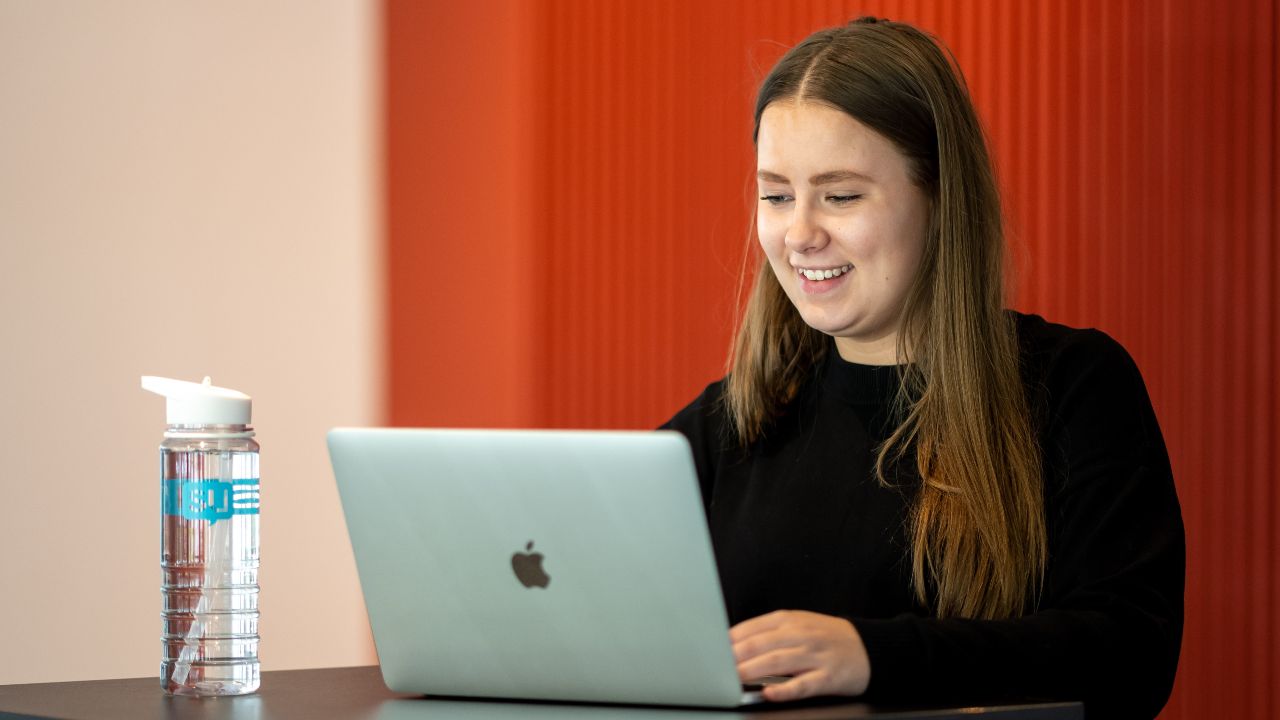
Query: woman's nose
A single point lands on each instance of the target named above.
(805, 234)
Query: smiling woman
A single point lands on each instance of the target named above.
(915, 494)
(843, 243)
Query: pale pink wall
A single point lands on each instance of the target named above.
(185, 189)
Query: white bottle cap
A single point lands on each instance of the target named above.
(188, 403)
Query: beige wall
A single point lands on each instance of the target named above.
(185, 189)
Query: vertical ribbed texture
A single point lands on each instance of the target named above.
(1136, 145)
(650, 158)
(460, 212)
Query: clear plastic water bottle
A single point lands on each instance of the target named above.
(208, 540)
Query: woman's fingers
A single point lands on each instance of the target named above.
(805, 685)
(776, 662)
(824, 654)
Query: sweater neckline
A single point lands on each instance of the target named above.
(860, 384)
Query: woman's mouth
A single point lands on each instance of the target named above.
(814, 281)
(824, 274)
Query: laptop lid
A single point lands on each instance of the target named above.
(549, 565)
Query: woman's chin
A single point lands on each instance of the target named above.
(825, 323)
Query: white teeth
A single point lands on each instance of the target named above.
(825, 274)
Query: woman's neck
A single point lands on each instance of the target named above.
(880, 351)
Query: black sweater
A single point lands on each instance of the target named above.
(799, 521)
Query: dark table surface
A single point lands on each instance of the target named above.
(358, 692)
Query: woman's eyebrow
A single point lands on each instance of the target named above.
(836, 176)
(826, 178)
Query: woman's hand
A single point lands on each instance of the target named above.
(824, 654)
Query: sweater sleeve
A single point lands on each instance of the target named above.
(702, 424)
(1108, 625)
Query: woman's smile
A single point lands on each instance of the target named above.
(817, 281)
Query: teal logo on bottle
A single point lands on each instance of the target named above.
(210, 498)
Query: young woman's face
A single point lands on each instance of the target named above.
(841, 222)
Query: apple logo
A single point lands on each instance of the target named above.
(528, 568)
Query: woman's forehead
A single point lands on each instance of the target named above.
(801, 140)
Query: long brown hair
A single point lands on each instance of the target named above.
(978, 543)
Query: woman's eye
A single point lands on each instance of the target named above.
(776, 199)
(843, 199)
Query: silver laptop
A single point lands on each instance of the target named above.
(542, 565)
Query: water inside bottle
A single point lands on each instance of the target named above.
(209, 564)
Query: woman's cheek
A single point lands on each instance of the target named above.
(770, 233)
(855, 235)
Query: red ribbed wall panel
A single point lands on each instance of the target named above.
(601, 219)
(459, 212)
